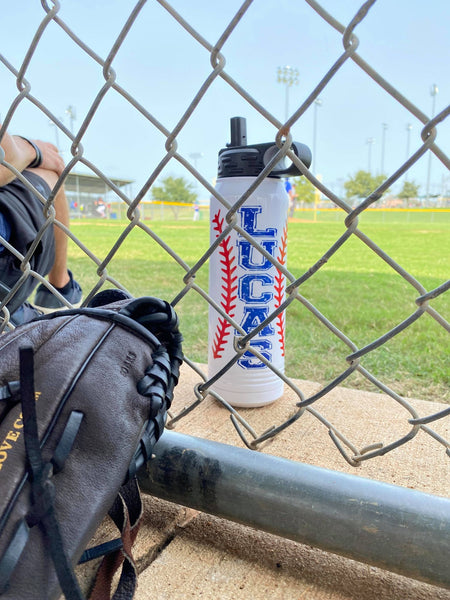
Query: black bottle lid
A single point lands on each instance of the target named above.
(240, 160)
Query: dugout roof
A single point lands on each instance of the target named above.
(82, 183)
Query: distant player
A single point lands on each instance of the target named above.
(290, 189)
(196, 212)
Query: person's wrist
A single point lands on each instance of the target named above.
(37, 161)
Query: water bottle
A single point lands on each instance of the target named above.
(244, 282)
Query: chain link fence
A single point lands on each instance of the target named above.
(424, 306)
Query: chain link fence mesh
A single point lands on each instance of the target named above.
(424, 306)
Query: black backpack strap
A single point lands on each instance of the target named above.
(43, 491)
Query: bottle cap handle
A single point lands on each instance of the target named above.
(280, 169)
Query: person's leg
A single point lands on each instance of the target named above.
(59, 275)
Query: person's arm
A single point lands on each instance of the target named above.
(20, 153)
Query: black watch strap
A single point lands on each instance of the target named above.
(37, 162)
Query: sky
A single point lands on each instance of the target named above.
(162, 67)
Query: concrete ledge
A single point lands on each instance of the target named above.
(185, 554)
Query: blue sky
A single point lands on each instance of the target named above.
(162, 66)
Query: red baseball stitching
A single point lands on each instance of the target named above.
(279, 289)
(228, 295)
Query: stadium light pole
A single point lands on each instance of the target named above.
(288, 76)
(384, 127)
(408, 140)
(51, 124)
(370, 142)
(433, 92)
(195, 157)
(71, 113)
(317, 102)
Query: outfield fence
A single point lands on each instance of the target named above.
(177, 211)
(434, 423)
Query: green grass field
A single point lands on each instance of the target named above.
(356, 290)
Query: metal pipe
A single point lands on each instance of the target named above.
(387, 526)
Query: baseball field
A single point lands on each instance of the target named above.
(356, 290)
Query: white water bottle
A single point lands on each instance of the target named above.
(242, 281)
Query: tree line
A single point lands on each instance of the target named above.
(361, 185)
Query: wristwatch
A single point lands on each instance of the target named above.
(36, 162)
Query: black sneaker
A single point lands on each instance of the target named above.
(26, 312)
(46, 301)
(108, 297)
